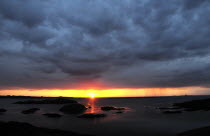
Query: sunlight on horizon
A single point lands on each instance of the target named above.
(92, 93)
(123, 92)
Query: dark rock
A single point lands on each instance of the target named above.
(92, 115)
(204, 131)
(108, 108)
(52, 115)
(3, 110)
(25, 129)
(172, 112)
(30, 111)
(119, 108)
(119, 112)
(73, 108)
(195, 105)
(47, 101)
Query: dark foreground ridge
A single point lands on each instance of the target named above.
(47, 101)
(204, 131)
(25, 129)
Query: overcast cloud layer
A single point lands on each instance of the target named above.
(121, 43)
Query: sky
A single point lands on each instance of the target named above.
(68, 47)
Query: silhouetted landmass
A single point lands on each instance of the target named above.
(92, 115)
(30, 111)
(73, 108)
(194, 105)
(25, 129)
(31, 97)
(108, 108)
(204, 131)
(21, 97)
(52, 115)
(47, 101)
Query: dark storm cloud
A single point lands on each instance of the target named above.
(27, 12)
(122, 43)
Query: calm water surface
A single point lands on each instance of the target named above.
(141, 116)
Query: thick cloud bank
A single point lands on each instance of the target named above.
(121, 43)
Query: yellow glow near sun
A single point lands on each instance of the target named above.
(92, 93)
(123, 92)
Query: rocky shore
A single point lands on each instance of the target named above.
(25, 129)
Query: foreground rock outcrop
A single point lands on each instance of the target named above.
(204, 131)
(75, 108)
(25, 129)
(47, 101)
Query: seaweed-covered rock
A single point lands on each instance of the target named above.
(47, 101)
(3, 110)
(73, 108)
(52, 115)
(92, 115)
(30, 111)
(108, 108)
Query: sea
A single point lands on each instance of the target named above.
(141, 117)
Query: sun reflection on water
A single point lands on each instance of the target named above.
(91, 105)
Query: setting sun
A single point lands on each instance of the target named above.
(92, 93)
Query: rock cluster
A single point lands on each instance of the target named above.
(75, 108)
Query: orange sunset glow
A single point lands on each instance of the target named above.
(122, 92)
